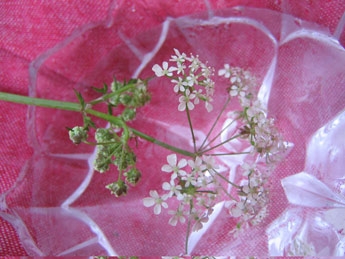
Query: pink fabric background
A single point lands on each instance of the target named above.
(28, 28)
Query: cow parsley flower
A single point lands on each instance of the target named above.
(185, 101)
(178, 216)
(174, 167)
(174, 190)
(157, 201)
(163, 70)
(225, 71)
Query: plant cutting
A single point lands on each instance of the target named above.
(197, 177)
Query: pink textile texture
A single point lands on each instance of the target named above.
(47, 48)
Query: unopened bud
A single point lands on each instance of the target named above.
(78, 134)
(117, 188)
(133, 176)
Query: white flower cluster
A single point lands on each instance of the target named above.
(193, 184)
(252, 206)
(260, 130)
(191, 79)
(242, 83)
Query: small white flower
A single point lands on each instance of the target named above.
(237, 210)
(163, 70)
(180, 68)
(179, 85)
(191, 80)
(174, 167)
(206, 71)
(178, 215)
(156, 201)
(199, 223)
(185, 101)
(208, 105)
(178, 58)
(173, 189)
(225, 71)
(190, 180)
(197, 165)
(210, 162)
(209, 85)
(195, 63)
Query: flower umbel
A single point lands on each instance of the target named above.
(199, 183)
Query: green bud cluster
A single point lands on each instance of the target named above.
(111, 149)
(118, 188)
(133, 176)
(112, 146)
(135, 96)
(78, 134)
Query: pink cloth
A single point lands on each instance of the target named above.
(28, 29)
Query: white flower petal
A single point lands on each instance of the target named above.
(165, 65)
(172, 159)
(181, 107)
(166, 186)
(166, 168)
(165, 205)
(190, 106)
(158, 70)
(157, 209)
(148, 202)
(154, 194)
(182, 163)
(173, 221)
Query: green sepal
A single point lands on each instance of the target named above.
(80, 99)
(103, 90)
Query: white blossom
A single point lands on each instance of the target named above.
(185, 101)
(174, 167)
(179, 85)
(178, 216)
(225, 71)
(163, 70)
(156, 201)
(174, 190)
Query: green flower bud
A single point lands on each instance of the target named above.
(128, 114)
(103, 135)
(117, 188)
(126, 99)
(124, 160)
(115, 85)
(133, 176)
(102, 160)
(78, 134)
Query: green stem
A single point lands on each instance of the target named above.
(62, 105)
(112, 119)
(225, 179)
(191, 128)
(214, 124)
(162, 144)
(70, 106)
(229, 154)
(109, 95)
(227, 126)
(222, 143)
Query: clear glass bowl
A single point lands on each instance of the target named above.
(59, 206)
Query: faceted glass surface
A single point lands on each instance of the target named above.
(59, 206)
